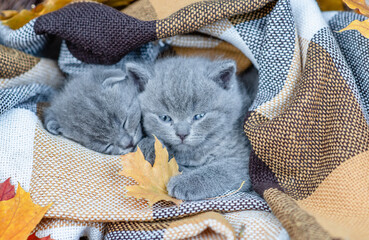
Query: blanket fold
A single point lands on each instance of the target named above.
(118, 33)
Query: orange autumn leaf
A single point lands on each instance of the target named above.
(152, 180)
(19, 216)
(359, 5)
(34, 237)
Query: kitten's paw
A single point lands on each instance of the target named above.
(147, 147)
(150, 156)
(186, 187)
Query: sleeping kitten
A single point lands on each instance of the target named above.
(196, 108)
(98, 109)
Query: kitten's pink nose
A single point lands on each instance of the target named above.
(182, 136)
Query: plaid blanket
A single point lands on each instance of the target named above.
(308, 125)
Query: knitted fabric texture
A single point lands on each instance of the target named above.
(79, 23)
(308, 125)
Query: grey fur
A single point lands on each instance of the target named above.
(215, 152)
(98, 109)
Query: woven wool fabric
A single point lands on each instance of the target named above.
(17, 130)
(256, 225)
(15, 63)
(20, 69)
(205, 46)
(69, 230)
(69, 64)
(23, 39)
(209, 225)
(78, 16)
(308, 125)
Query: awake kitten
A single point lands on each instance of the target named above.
(196, 108)
(98, 109)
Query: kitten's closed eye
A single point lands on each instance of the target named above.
(108, 148)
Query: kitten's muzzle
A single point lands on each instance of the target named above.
(182, 136)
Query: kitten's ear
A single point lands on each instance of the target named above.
(51, 124)
(140, 73)
(222, 72)
(113, 77)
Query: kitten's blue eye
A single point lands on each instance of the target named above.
(198, 116)
(165, 118)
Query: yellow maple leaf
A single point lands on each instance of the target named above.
(358, 5)
(152, 180)
(362, 27)
(19, 216)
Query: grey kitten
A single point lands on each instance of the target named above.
(196, 108)
(98, 109)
